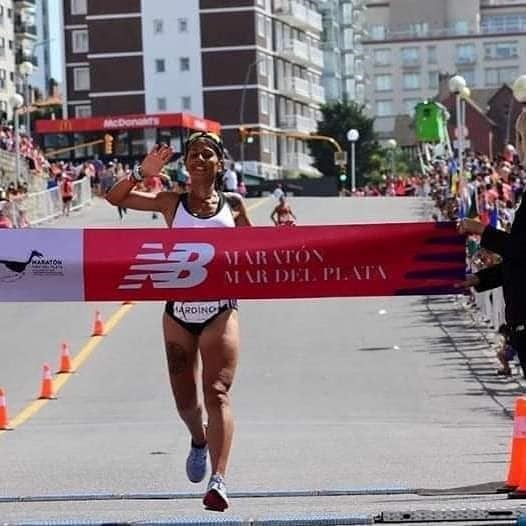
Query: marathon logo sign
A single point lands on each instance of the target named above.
(191, 265)
(182, 268)
(122, 123)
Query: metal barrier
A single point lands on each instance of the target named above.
(36, 208)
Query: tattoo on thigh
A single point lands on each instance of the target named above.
(179, 359)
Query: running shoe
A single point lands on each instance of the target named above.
(215, 498)
(196, 463)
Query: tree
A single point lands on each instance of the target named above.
(338, 118)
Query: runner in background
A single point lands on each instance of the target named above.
(66, 192)
(283, 215)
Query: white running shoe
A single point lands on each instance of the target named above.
(216, 498)
(196, 463)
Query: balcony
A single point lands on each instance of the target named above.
(26, 30)
(295, 51)
(298, 15)
(298, 123)
(25, 57)
(299, 162)
(316, 57)
(314, 21)
(466, 60)
(411, 63)
(297, 88)
(25, 3)
(317, 93)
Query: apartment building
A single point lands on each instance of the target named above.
(344, 28)
(410, 42)
(7, 56)
(262, 67)
(254, 63)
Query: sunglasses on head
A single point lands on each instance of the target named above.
(205, 135)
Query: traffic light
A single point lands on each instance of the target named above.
(343, 176)
(108, 144)
(245, 135)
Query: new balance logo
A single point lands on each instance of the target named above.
(182, 268)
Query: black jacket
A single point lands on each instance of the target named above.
(511, 273)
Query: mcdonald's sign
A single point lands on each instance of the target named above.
(65, 126)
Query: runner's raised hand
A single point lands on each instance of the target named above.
(154, 162)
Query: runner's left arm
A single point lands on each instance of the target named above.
(240, 210)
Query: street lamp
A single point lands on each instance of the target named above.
(242, 109)
(26, 70)
(352, 136)
(519, 89)
(17, 101)
(391, 146)
(458, 86)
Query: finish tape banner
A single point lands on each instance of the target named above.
(224, 263)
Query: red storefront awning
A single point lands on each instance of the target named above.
(111, 123)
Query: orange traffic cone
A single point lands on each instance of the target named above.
(4, 416)
(518, 446)
(98, 326)
(65, 359)
(46, 391)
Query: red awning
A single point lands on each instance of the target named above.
(111, 123)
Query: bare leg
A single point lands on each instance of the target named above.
(219, 346)
(183, 368)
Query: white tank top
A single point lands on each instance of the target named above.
(202, 311)
(223, 217)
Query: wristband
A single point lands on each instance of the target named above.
(136, 174)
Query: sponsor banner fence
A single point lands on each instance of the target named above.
(245, 263)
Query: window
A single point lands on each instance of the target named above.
(461, 27)
(384, 108)
(469, 76)
(82, 111)
(263, 103)
(431, 54)
(377, 32)
(499, 76)
(160, 65)
(263, 66)
(420, 29)
(511, 23)
(186, 103)
(79, 7)
(409, 105)
(410, 56)
(432, 80)
(261, 25)
(184, 64)
(158, 26)
(81, 80)
(383, 82)
(501, 50)
(80, 41)
(382, 57)
(161, 103)
(348, 38)
(182, 24)
(411, 81)
(465, 54)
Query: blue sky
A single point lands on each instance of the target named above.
(54, 30)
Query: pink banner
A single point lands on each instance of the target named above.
(266, 262)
